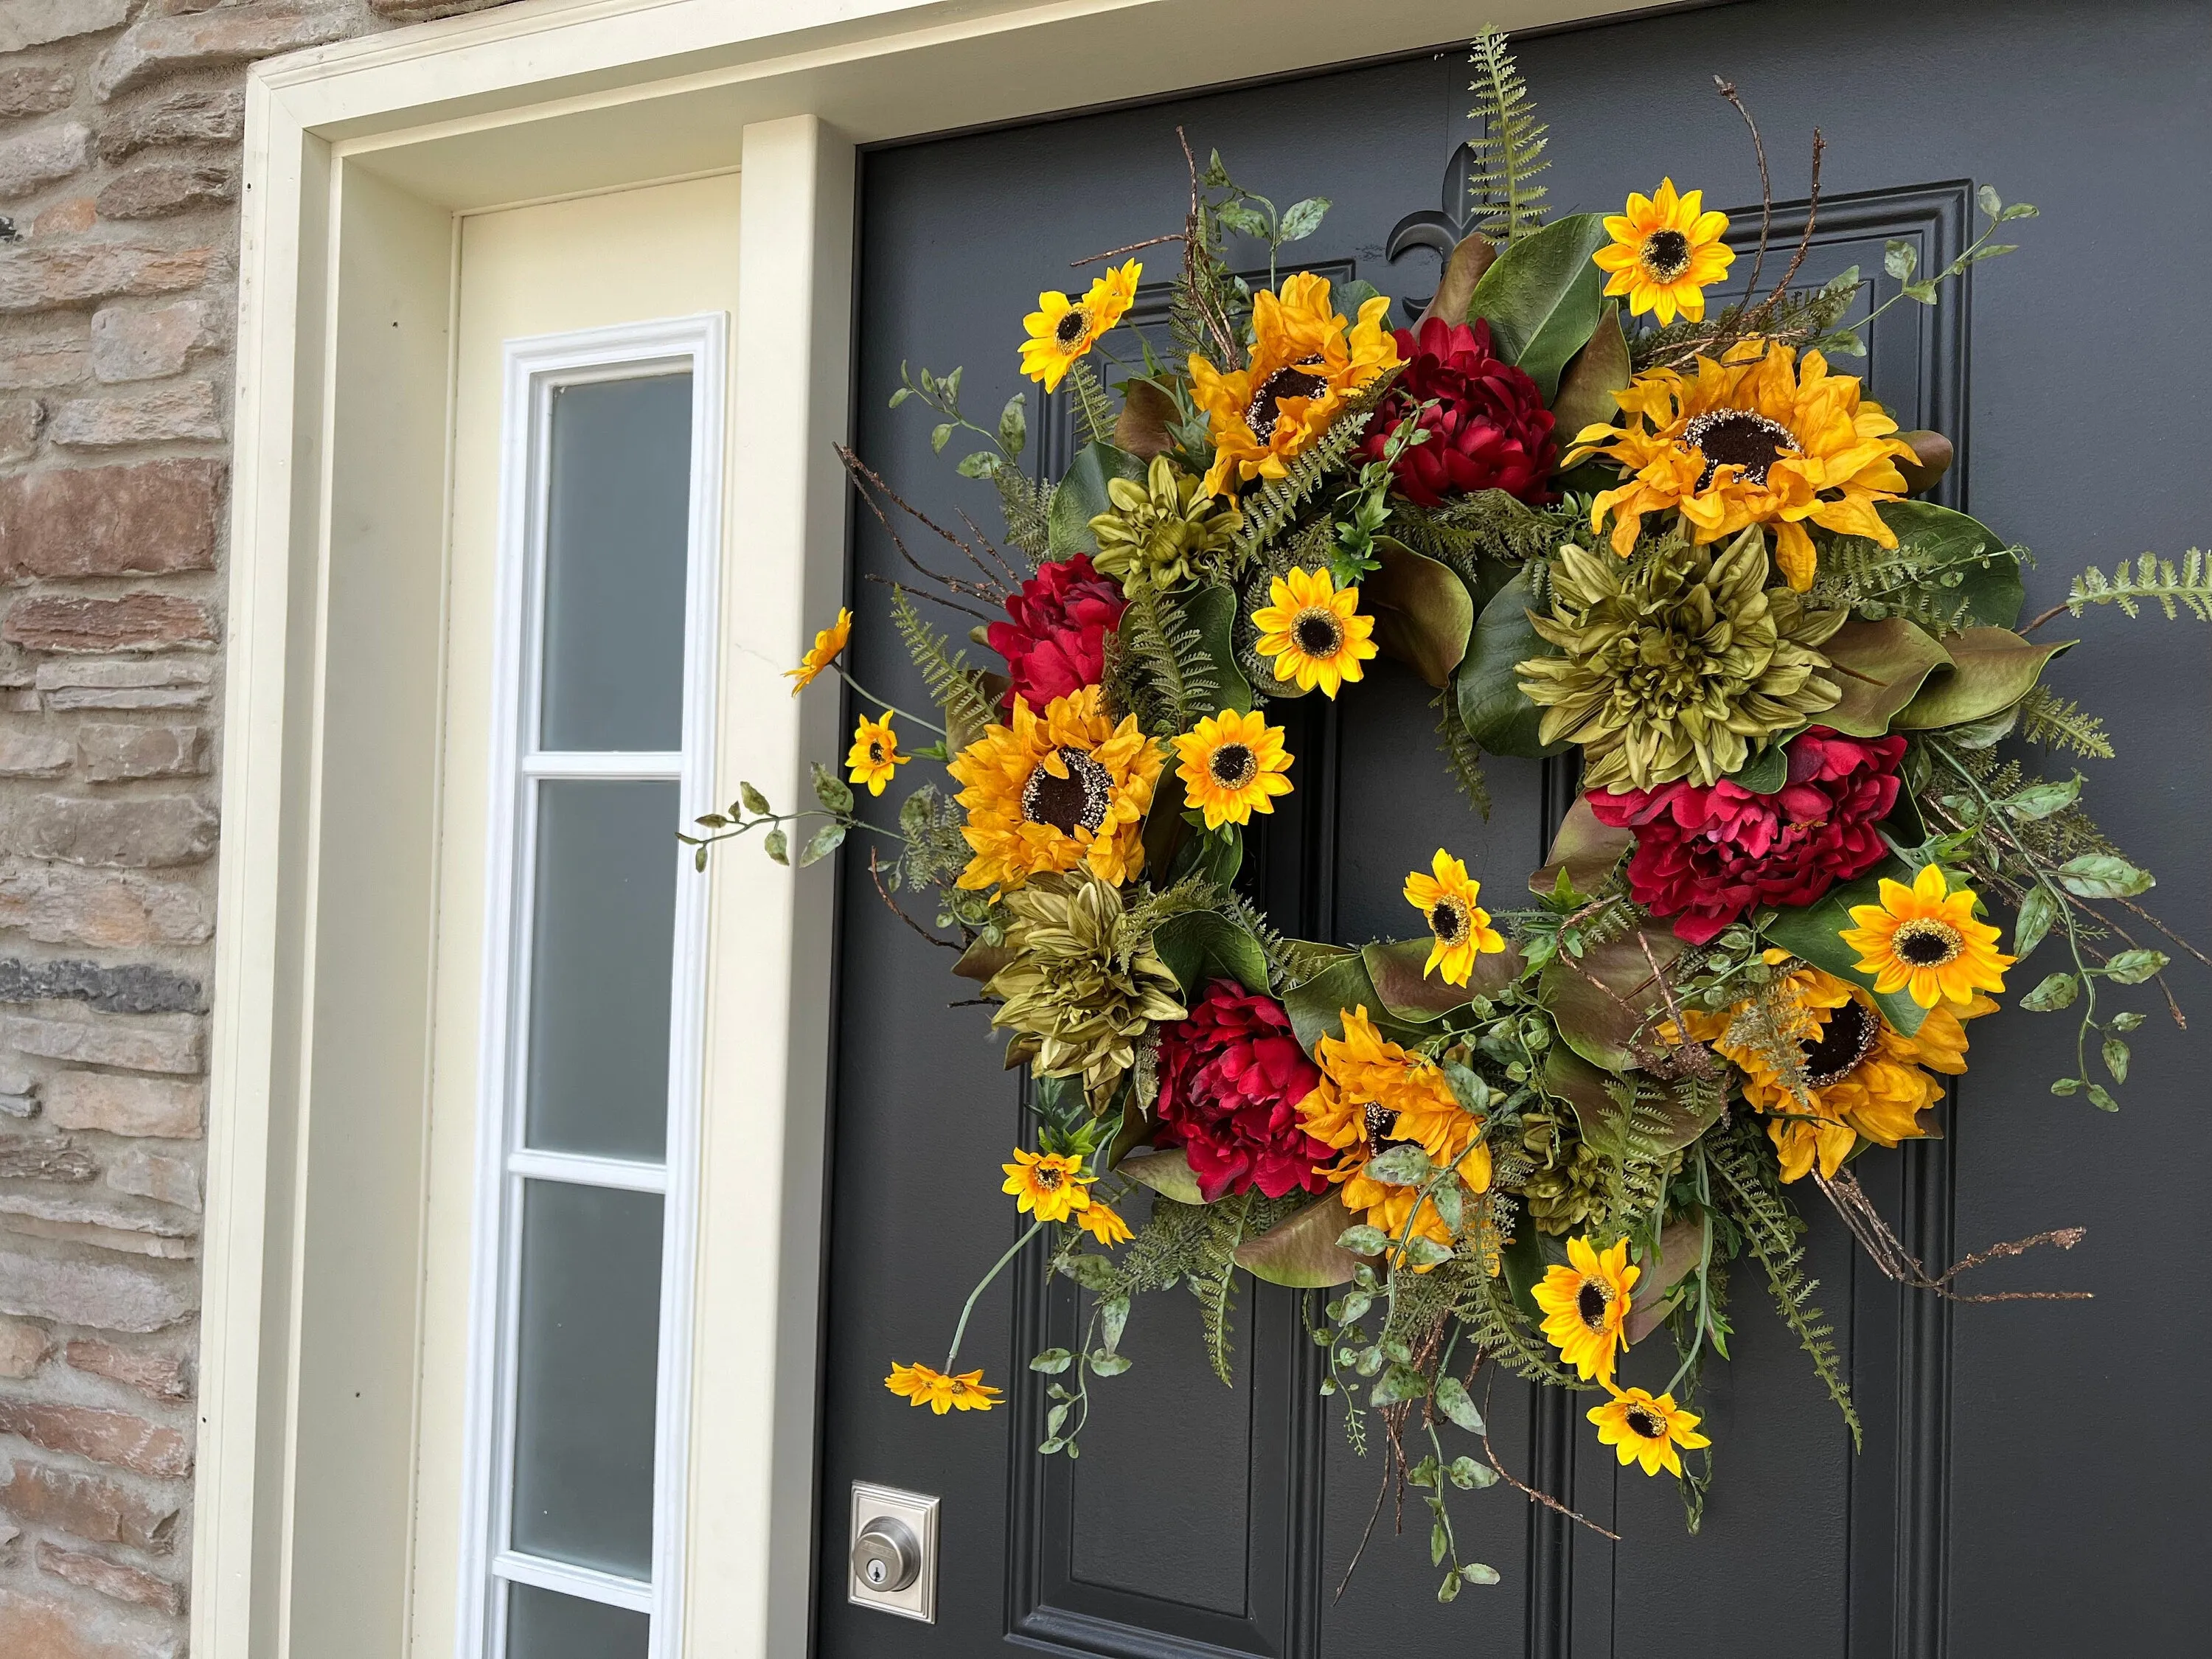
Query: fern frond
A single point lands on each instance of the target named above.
(2050, 721)
(1092, 404)
(1027, 504)
(1486, 1307)
(1509, 155)
(1488, 524)
(1267, 510)
(1463, 755)
(2154, 580)
(953, 686)
(1282, 965)
(1176, 684)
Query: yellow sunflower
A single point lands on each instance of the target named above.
(1862, 1076)
(1314, 630)
(1374, 1094)
(941, 1394)
(1100, 1221)
(1460, 926)
(1586, 1302)
(874, 759)
(1052, 1185)
(1923, 940)
(1756, 438)
(1306, 363)
(1648, 1429)
(1062, 330)
(1666, 252)
(827, 644)
(1056, 790)
(1232, 767)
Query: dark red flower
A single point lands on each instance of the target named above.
(1231, 1077)
(1706, 856)
(1488, 428)
(1054, 641)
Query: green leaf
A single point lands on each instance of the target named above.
(830, 790)
(1585, 851)
(1082, 497)
(1402, 1166)
(1399, 1382)
(1398, 970)
(2037, 912)
(1922, 290)
(1301, 218)
(1963, 561)
(1880, 666)
(940, 437)
(1813, 931)
(1051, 1361)
(1467, 1474)
(2055, 992)
(1601, 369)
(2040, 800)
(2103, 875)
(2134, 967)
(1304, 1251)
(1991, 669)
(1105, 1363)
(1766, 772)
(1211, 609)
(1199, 945)
(1448, 1591)
(753, 801)
(2102, 1098)
(1093, 1273)
(1318, 1004)
(1990, 202)
(777, 846)
(823, 842)
(1474, 1572)
(1439, 1544)
(1167, 1172)
(2116, 1058)
(983, 463)
(1463, 271)
(1113, 1320)
(1606, 1003)
(1493, 707)
(1899, 259)
(1014, 424)
(1423, 614)
(1452, 1400)
(1543, 296)
(1244, 221)
(1681, 1246)
(1362, 1240)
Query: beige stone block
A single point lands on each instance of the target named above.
(40, 277)
(35, 89)
(191, 115)
(23, 1348)
(33, 1627)
(44, 156)
(155, 188)
(113, 754)
(166, 414)
(86, 1506)
(135, 621)
(124, 1105)
(35, 754)
(33, 23)
(120, 1438)
(147, 345)
(160, 46)
(158, 1176)
(111, 1578)
(60, 904)
(50, 357)
(144, 832)
(130, 1042)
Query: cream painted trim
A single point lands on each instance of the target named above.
(357, 156)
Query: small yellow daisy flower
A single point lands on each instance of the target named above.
(1232, 767)
(1923, 940)
(1666, 252)
(1062, 330)
(941, 1394)
(1313, 631)
(1052, 1185)
(1647, 1430)
(1586, 1303)
(1102, 1224)
(1460, 926)
(874, 759)
(827, 645)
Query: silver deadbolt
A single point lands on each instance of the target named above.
(886, 1556)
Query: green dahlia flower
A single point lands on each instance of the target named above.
(1160, 528)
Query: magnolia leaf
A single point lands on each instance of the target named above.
(1317, 1005)
(1991, 669)
(1398, 970)
(1141, 428)
(1211, 609)
(1880, 666)
(982, 960)
(1682, 1245)
(1473, 257)
(1166, 829)
(2104, 876)
(1815, 933)
(1423, 614)
(1303, 1252)
(1599, 369)
(1932, 455)
(1167, 1172)
(1201, 945)
(1495, 710)
(1542, 297)
(1584, 849)
(1607, 1002)
(1212, 855)
(1766, 772)
(1082, 496)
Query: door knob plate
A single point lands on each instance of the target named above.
(893, 1565)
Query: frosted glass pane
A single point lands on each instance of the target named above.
(586, 1363)
(601, 957)
(541, 1625)
(617, 527)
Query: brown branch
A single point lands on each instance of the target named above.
(1373, 1516)
(1843, 1190)
(864, 477)
(1765, 186)
(1528, 1492)
(1132, 247)
(875, 875)
(1804, 241)
(2042, 619)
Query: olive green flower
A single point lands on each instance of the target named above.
(1083, 985)
(1160, 528)
(1678, 663)
(1567, 1187)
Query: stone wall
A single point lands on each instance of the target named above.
(120, 129)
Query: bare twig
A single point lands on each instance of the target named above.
(2045, 618)
(1804, 241)
(875, 875)
(1843, 1190)
(865, 478)
(1530, 1492)
(1765, 186)
(933, 599)
(1132, 247)
(1373, 1516)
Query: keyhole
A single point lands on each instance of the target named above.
(877, 1572)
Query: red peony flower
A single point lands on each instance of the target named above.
(1707, 855)
(1231, 1077)
(1056, 640)
(1488, 428)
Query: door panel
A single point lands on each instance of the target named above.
(2008, 1497)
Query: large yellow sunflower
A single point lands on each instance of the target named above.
(874, 758)
(1757, 438)
(1586, 1302)
(1666, 252)
(1647, 1429)
(828, 642)
(1053, 1185)
(1052, 791)
(1862, 1076)
(1314, 630)
(1460, 927)
(923, 1386)
(1062, 330)
(1306, 363)
(1232, 767)
(1374, 1094)
(1923, 940)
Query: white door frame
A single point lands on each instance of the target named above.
(358, 158)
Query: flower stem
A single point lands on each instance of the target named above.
(968, 1306)
(888, 708)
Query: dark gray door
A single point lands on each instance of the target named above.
(2033, 1481)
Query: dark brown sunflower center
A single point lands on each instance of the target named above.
(1646, 1422)
(1234, 765)
(876, 751)
(1262, 413)
(1077, 801)
(1591, 1303)
(1318, 633)
(1666, 254)
(1379, 1120)
(1738, 438)
(1927, 943)
(1048, 1179)
(1069, 329)
(1847, 1040)
(1448, 921)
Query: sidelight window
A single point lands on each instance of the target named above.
(588, 1111)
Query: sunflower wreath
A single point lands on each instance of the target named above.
(1687, 549)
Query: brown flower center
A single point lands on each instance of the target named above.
(1848, 1039)
(1069, 329)
(1379, 1121)
(1738, 438)
(1646, 1422)
(1666, 254)
(1233, 765)
(1077, 801)
(1045, 1177)
(1591, 1303)
(1318, 633)
(1448, 921)
(1262, 412)
(1927, 943)
(876, 751)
